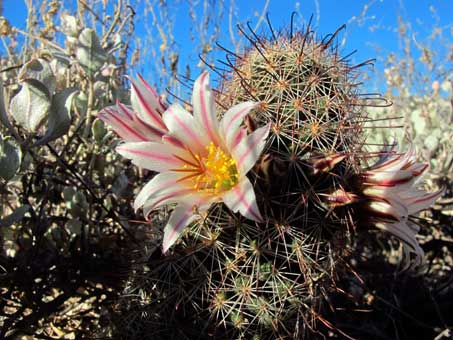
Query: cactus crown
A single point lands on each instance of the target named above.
(306, 88)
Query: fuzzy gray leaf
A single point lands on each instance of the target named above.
(10, 158)
(30, 107)
(89, 51)
(39, 70)
(3, 115)
(60, 115)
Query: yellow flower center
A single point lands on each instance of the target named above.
(215, 173)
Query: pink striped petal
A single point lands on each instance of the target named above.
(204, 107)
(249, 149)
(388, 210)
(185, 128)
(390, 161)
(382, 192)
(161, 107)
(397, 161)
(156, 186)
(170, 190)
(240, 135)
(121, 126)
(153, 156)
(418, 169)
(386, 158)
(421, 201)
(128, 125)
(146, 103)
(150, 132)
(173, 141)
(388, 178)
(177, 193)
(242, 198)
(232, 120)
(181, 216)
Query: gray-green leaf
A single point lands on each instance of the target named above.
(89, 51)
(98, 130)
(418, 122)
(39, 70)
(74, 227)
(60, 115)
(15, 217)
(69, 25)
(30, 107)
(3, 115)
(10, 158)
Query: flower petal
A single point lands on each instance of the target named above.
(151, 155)
(418, 168)
(418, 200)
(396, 161)
(232, 120)
(242, 198)
(121, 125)
(204, 107)
(150, 132)
(247, 152)
(182, 216)
(159, 183)
(410, 244)
(174, 194)
(386, 154)
(406, 234)
(146, 103)
(128, 125)
(389, 210)
(185, 128)
(389, 178)
(241, 133)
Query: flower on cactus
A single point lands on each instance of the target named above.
(388, 195)
(200, 159)
(389, 186)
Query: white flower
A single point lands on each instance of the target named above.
(389, 187)
(200, 159)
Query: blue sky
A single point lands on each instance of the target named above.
(372, 31)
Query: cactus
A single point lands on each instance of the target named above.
(232, 278)
(306, 89)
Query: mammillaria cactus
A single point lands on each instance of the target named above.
(266, 272)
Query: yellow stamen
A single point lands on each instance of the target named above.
(217, 172)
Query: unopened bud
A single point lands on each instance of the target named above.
(340, 198)
(326, 164)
